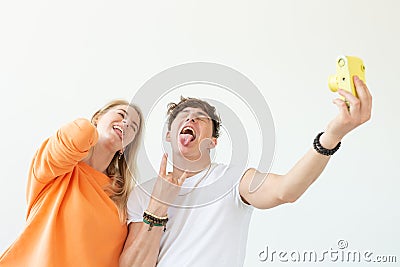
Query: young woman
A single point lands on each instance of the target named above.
(78, 186)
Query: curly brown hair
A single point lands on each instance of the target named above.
(175, 108)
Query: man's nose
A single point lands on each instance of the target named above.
(191, 118)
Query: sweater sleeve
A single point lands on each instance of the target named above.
(61, 152)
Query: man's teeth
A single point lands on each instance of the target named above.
(188, 130)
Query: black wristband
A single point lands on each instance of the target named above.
(322, 150)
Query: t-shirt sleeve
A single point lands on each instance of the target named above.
(135, 206)
(237, 174)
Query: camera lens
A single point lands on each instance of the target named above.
(341, 62)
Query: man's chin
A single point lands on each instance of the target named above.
(189, 153)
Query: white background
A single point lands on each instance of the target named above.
(63, 60)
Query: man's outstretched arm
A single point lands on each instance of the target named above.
(278, 189)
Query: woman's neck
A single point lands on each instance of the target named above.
(99, 157)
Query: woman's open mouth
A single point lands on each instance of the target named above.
(119, 131)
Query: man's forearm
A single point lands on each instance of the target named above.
(141, 247)
(307, 170)
(278, 189)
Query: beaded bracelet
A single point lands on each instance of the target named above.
(154, 221)
(155, 216)
(322, 150)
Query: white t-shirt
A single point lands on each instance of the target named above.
(208, 224)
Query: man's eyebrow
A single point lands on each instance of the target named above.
(201, 113)
(126, 113)
(185, 110)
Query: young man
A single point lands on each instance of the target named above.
(215, 234)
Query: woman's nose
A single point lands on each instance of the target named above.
(125, 122)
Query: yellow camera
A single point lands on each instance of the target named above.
(346, 68)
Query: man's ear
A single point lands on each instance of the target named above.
(168, 136)
(213, 142)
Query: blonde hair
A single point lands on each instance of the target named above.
(122, 169)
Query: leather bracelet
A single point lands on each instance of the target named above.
(322, 150)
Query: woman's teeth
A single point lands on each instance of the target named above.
(119, 128)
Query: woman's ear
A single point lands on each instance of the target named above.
(95, 119)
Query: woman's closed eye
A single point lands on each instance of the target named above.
(122, 115)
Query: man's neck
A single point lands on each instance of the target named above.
(191, 167)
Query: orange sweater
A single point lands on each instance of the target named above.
(71, 221)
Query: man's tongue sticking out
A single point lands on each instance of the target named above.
(185, 139)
